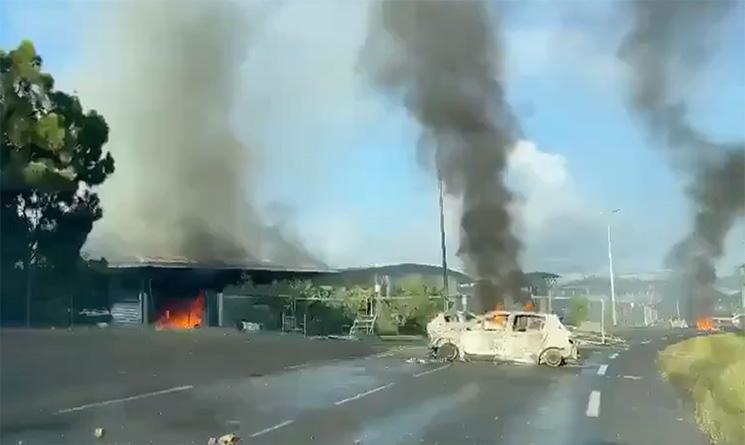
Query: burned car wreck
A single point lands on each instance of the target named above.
(517, 336)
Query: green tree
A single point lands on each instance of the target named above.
(417, 307)
(579, 309)
(51, 154)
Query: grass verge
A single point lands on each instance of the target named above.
(711, 370)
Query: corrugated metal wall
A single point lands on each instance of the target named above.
(126, 313)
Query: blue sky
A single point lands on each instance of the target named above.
(340, 160)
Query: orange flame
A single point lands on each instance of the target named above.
(705, 324)
(181, 313)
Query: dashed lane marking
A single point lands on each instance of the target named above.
(363, 394)
(593, 404)
(602, 369)
(272, 428)
(430, 371)
(125, 399)
(613, 356)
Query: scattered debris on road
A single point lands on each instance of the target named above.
(585, 338)
(335, 337)
(632, 377)
(99, 432)
(248, 326)
(227, 439)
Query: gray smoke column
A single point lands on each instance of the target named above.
(441, 59)
(666, 48)
(183, 182)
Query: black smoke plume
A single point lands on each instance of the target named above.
(668, 45)
(441, 59)
(184, 188)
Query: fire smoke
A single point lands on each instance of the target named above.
(183, 183)
(442, 61)
(666, 49)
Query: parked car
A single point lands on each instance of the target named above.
(503, 335)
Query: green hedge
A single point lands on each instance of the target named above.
(711, 369)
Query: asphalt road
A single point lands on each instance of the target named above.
(615, 397)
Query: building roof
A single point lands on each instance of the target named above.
(183, 263)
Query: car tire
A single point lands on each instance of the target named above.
(447, 351)
(551, 357)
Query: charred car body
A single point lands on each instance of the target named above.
(526, 337)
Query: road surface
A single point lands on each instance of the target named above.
(615, 397)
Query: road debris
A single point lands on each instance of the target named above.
(227, 439)
(424, 361)
(335, 337)
(585, 338)
(632, 377)
(99, 432)
(248, 326)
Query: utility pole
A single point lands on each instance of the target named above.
(742, 285)
(610, 268)
(443, 246)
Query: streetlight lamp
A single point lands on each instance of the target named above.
(610, 268)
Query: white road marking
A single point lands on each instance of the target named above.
(430, 371)
(363, 394)
(612, 356)
(646, 342)
(301, 365)
(593, 404)
(125, 399)
(602, 369)
(272, 428)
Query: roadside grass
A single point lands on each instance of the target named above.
(711, 370)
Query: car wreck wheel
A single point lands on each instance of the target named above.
(551, 357)
(446, 351)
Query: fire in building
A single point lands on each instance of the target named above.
(183, 294)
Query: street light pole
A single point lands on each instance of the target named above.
(610, 268)
(443, 245)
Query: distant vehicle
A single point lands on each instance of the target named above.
(678, 323)
(519, 336)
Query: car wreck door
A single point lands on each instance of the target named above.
(484, 339)
(526, 337)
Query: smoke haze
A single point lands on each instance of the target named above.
(441, 60)
(183, 182)
(669, 43)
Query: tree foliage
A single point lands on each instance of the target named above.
(579, 310)
(51, 154)
(413, 305)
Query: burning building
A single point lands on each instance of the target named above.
(182, 294)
